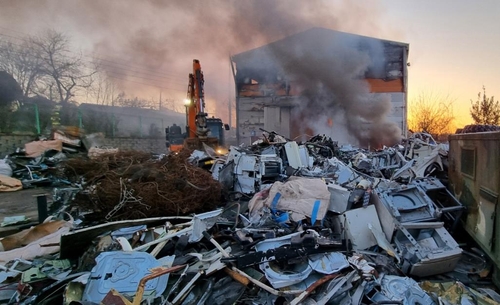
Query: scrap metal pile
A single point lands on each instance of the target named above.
(306, 223)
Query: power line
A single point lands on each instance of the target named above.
(155, 78)
(128, 75)
(160, 87)
(161, 74)
(103, 64)
(10, 36)
(146, 73)
(137, 67)
(143, 77)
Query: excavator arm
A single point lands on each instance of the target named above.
(197, 129)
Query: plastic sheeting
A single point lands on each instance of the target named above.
(8, 184)
(301, 197)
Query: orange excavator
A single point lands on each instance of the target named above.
(199, 127)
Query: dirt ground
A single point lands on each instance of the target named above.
(21, 203)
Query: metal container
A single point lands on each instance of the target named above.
(474, 174)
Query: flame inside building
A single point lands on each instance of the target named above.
(350, 87)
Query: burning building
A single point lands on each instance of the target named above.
(350, 87)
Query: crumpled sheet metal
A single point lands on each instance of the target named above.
(366, 270)
(425, 159)
(248, 171)
(456, 293)
(75, 242)
(301, 197)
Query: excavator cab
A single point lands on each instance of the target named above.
(215, 136)
(216, 129)
(176, 140)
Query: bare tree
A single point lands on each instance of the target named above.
(431, 113)
(174, 105)
(485, 110)
(101, 91)
(44, 64)
(59, 67)
(135, 102)
(23, 63)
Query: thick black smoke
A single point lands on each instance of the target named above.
(164, 37)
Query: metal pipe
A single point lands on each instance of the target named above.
(422, 225)
(452, 209)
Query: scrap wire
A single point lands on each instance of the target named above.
(126, 196)
(144, 187)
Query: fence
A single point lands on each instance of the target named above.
(112, 121)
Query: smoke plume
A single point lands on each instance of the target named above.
(332, 76)
(162, 37)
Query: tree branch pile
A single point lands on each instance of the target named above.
(131, 185)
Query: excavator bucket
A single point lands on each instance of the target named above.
(197, 143)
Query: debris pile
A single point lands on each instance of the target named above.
(132, 185)
(38, 163)
(306, 223)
